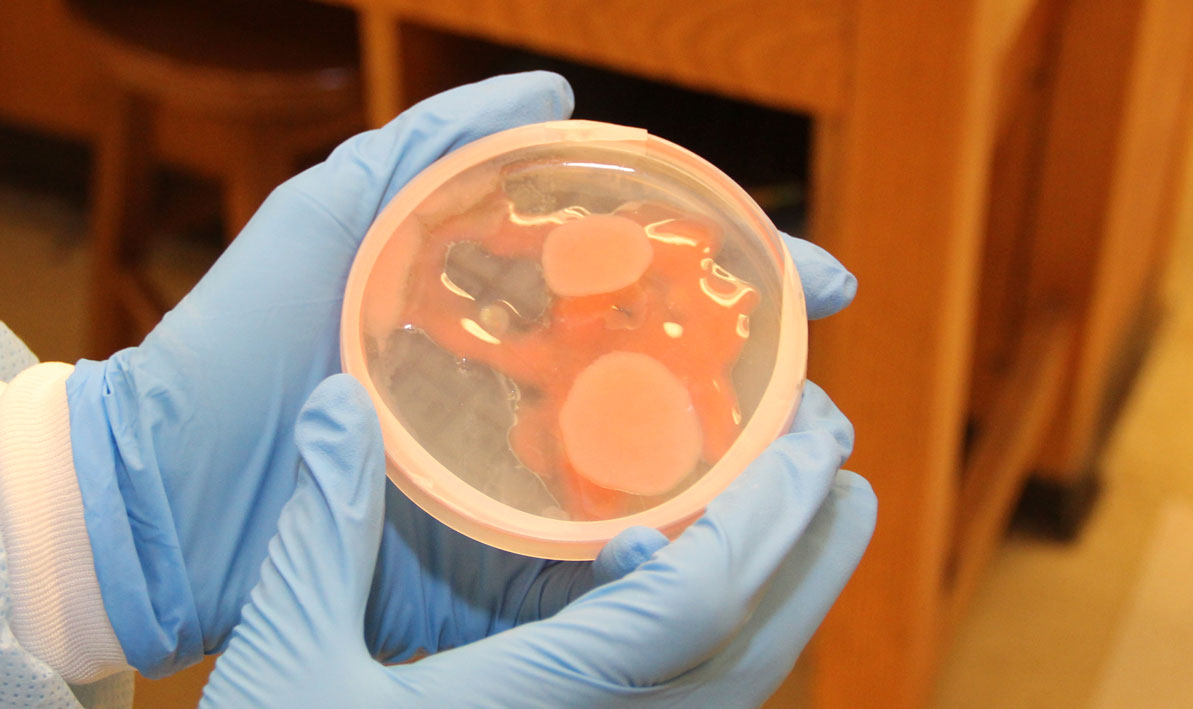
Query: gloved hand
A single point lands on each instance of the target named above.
(436, 589)
(715, 618)
(184, 447)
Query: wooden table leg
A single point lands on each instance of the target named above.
(380, 61)
(258, 163)
(404, 62)
(899, 199)
(121, 189)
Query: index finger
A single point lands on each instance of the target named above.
(828, 285)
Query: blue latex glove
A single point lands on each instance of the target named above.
(716, 618)
(184, 445)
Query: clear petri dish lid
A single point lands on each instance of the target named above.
(570, 328)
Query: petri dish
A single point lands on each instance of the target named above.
(570, 328)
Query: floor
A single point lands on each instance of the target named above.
(1054, 625)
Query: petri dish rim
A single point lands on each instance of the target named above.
(434, 488)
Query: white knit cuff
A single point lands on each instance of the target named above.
(57, 611)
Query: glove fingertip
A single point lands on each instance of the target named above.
(564, 98)
(828, 290)
(626, 552)
(859, 494)
(828, 286)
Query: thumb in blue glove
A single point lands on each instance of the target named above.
(715, 618)
(305, 616)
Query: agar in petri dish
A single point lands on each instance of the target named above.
(578, 331)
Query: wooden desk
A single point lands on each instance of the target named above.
(924, 111)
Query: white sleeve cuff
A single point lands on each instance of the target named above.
(57, 611)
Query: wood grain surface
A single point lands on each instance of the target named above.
(782, 54)
(1107, 193)
(900, 201)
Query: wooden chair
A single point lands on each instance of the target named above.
(257, 87)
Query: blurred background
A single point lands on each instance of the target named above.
(1009, 179)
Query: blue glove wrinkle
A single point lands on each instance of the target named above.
(626, 552)
(435, 588)
(397, 594)
(530, 587)
(560, 582)
(136, 550)
(461, 602)
(428, 599)
(338, 430)
(526, 593)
